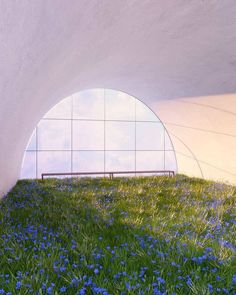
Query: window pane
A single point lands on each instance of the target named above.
(88, 135)
(119, 106)
(32, 143)
(49, 162)
(143, 113)
(28, 169)
(168, 143)
(120, 161)
(149, 136)
(61, 110)
(170, 161)
(54, 135)
(88, 161)
(120, 135)
(89, 105)
(149, 160)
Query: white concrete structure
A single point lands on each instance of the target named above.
(170, 54)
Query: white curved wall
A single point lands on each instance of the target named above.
(154, 50)
(203, 129)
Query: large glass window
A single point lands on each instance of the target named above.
(98, 130)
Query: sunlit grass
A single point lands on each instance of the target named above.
(152, 235)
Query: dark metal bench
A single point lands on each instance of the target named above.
(110, 173)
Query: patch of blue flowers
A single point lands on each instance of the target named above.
(153, 235)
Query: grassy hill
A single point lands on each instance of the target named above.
(152, 235)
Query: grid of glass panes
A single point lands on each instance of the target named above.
(95, 131)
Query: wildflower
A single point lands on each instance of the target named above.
(210, 287)
(127, 285)
(234, 279)
(49, 290)
(218, 278)
(158, 292)
(18, 285)
(189, 281)
(63, 289)
(160, 280)
(62, 268)
(82, 291)
(74, 281)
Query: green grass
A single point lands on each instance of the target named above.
(146, 235)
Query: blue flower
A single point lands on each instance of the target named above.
(63, 289)
(49, 290)
(158, 292)
(62, 268)
(127, 285)
(18, 285)
(218, 278)
(160, 280)
(189, 281)
(210, 287)
(74, 281)
(82, 291)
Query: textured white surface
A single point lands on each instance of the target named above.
(203, 129)
(155, 50)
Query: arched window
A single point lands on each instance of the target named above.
(95, 131)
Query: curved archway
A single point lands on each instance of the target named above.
(98, 130)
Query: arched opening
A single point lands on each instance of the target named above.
(98, 130)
